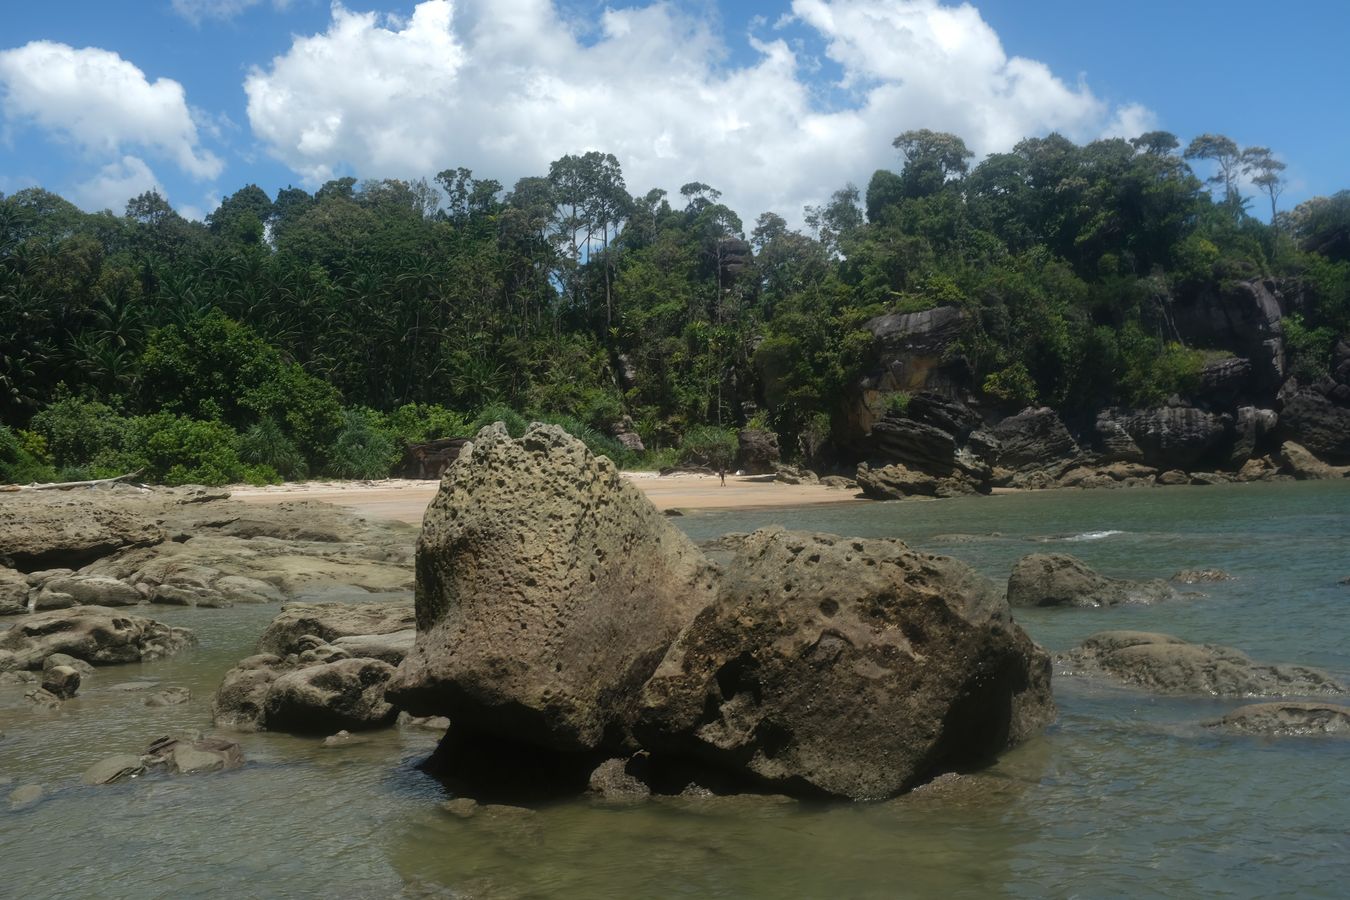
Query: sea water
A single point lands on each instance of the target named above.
(1126, 795)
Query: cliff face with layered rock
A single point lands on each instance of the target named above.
(919, 427)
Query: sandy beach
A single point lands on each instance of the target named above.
(404, 500)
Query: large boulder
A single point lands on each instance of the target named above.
(548, 590)
(344, 694)
(92, 590)
(1306, 467)
(1317, 422)
(757, 451)
(1169, 665)
(51, 529)
(1057, 579)
(95, 634)
(1033, 438)
(846, 667)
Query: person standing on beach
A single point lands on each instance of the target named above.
(722, 474)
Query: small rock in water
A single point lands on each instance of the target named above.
(1345, 581)
(192, 754)
(61, 681)
(343, 738)
(1201, 576)
(169, 697)
(612, 781)
(26, 796)
(133, 686)
(1287, 719)
(62, 659)
(463, 807)
(427, 723)
(44, 698)
(117, 768)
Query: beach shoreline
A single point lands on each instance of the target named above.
(405, 500)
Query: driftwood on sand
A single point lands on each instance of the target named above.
(69, 485)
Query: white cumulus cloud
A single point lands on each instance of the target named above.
(102, 103)
(115, 184)
(506, 86)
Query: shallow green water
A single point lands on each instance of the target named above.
(1124, 796)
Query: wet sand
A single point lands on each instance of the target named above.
(406, 500)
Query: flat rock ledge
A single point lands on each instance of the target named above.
(1287, 719)
(1057, 579)
(1169, 665)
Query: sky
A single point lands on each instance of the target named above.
(777, 103)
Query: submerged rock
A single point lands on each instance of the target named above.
(26, 796)
(1201, 576)
(846, 667)
(548, 590)
(122, 767)
(193, 755)
(1169, 665)
(94, 634)
(1057, 579)
(1287, 719)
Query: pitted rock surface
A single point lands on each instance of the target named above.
(548, 590)
(846, 667)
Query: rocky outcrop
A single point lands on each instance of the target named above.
(1223, 382)
(897, 482)
(1057, 579)
(548, 590)
(1244, 318)
(95, 634)
(1033, 438)
(1169, 665)
(846, 667)
(1165, 438)
(1306, 467)
(39, 531)
(1200, 576)
(1313, 420)
(757, 451)
(929, 449)
(913, 354)
(1286, 719)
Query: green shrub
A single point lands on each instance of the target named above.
(414, 423)
(265, 444)
(179, 450)
(78, 431)
(1309, 348)
(656, 460)
(709, 446)
(364, 447)
(1012, 384)
(19, 464)
(499, 412)
(898, 403)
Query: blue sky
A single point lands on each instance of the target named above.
(776, 103)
